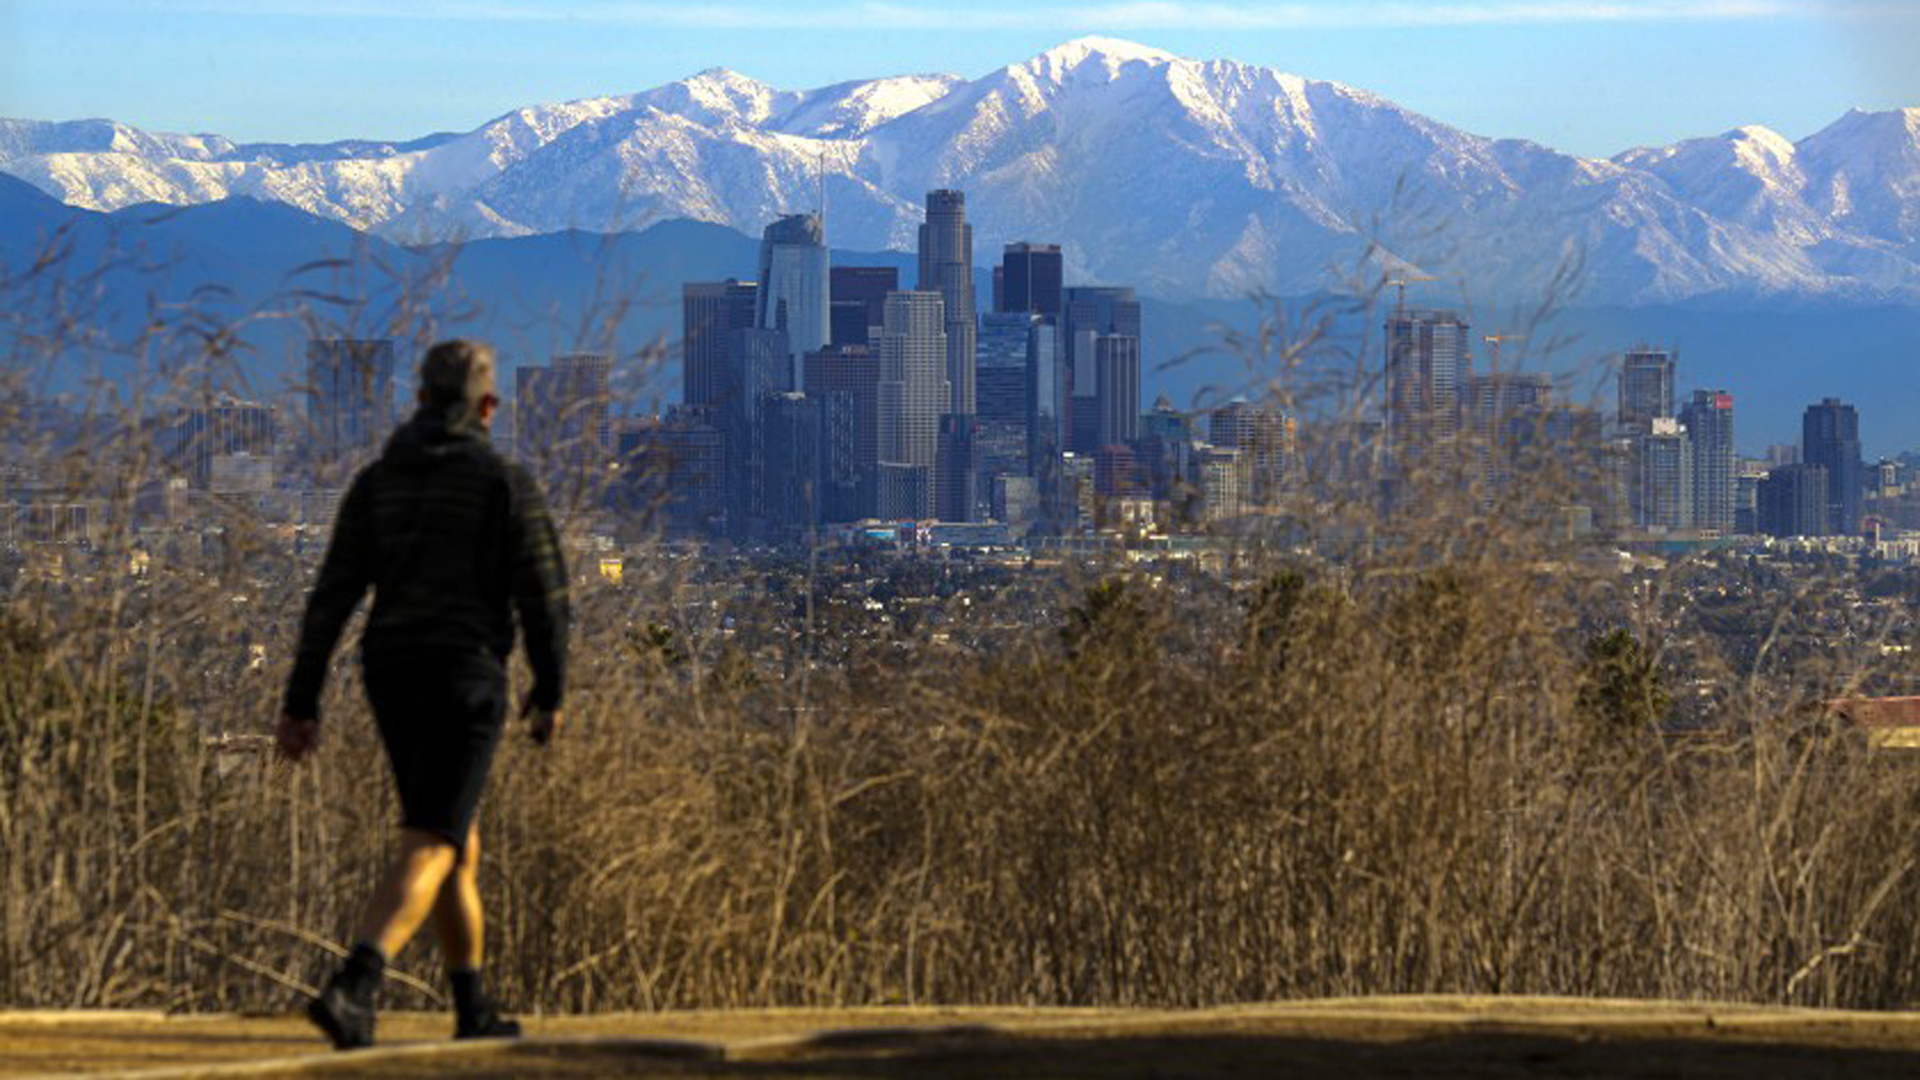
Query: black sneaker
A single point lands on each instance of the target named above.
(487, 1023)
(343, 1016)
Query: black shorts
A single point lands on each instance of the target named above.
(440, 719)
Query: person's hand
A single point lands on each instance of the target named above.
(542, 724)
(297, 736)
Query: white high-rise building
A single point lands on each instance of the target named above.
(914, 392)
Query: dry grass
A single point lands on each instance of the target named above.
(1373, 757)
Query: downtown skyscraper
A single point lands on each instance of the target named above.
(710, 311)
(795, 294)
(1031, 281)
(1428, 356)
(913, 396)
(1708, 419)
(1830, 439)
(946, 268)
(1090, 314)
(1646, 387)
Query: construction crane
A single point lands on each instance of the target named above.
(1401, 283)
(1495, 340)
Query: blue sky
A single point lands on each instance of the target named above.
(1588, 76)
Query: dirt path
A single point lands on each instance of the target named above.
(1348, 1039)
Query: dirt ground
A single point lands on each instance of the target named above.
(1346, 1039)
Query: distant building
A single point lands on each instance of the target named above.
(1663, 500)
(1090, 313)
(1708, 418)
(1031, 280)
(946, 267)
(710, 312)
(793, 296)
(1428, 356)
(957, 473)
(858, 296)
(791, 445)
(228, 426)
(1264, 439)
(1793, 501)
(1165, 449)
(757, 367)
(1222, 481)
(1502, 412)
(563, 412)
(675, 466)
(1001, 378)
(350, 406)
(1116, 363)
(913, 396)
(1646, 387)
(845, 379)
(1830, 438)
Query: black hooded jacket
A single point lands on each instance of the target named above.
(453, 539)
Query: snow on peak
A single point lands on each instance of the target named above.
(1114, 51)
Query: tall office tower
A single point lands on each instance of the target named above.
(1116, 366)
(794, 285)
(710, 311)
(1088, 313)
(757, 366)
(1428, 354)
(1646, 387)
(350, 405)
(1000, 392)
(206, 436)
(790, 444)
(946, 267)
(1048, 396)
(859, 301)
(1708, 418)
(1663, 499)
(1264, 437)
(846, 380)
(913, 396)
(1031, 277)
(1793, 501)
(1830, 438)
(956, 473)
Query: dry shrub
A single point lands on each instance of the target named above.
(1378, 752)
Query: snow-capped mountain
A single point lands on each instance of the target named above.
(1183, 176)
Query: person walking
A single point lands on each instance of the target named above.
(454, 540)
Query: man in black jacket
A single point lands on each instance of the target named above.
(454, 540)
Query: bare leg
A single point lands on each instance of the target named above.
(456, 911)
(408, 891)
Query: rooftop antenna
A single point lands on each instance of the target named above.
(821, 172)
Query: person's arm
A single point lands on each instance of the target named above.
(345, 573)
(540, 597)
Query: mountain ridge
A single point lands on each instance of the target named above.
(1187, 177)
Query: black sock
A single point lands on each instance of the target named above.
(364, 968)
(468, 998)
